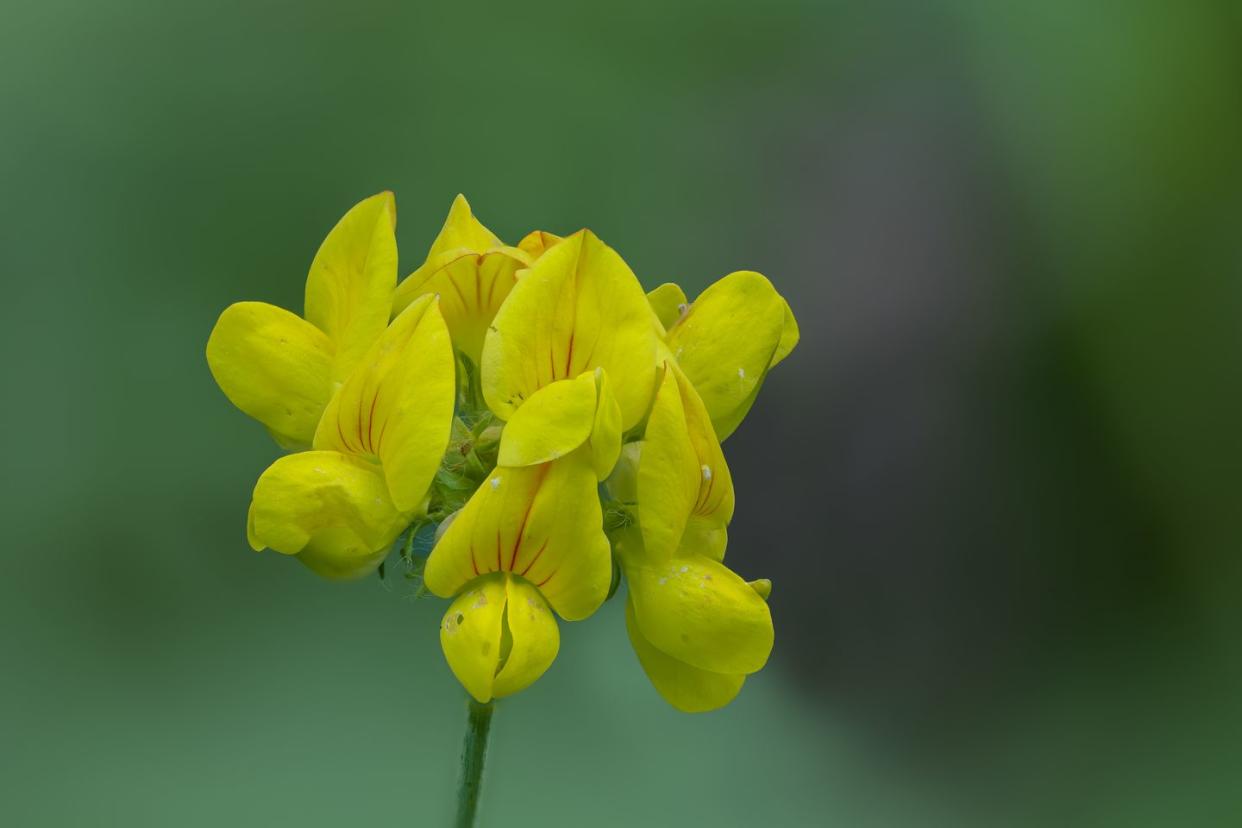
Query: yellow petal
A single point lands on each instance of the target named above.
(251, 538)
(578, 308)
(397, 406)
(540, 522)
(330, 509)
(667, 302)
(553, 422)
(472, 286)
(538, 242)
(789, 336)
(684, 483)
(605, 438)
(698, 611)
(726, 342)
(727, 424)
(349, 288)
(705, 537)
(686, 688)
(706, 532)
(274, 366)
(534, 635)
(762, 587)
(668, 472)
(470, 635)
(663, 352)
(498, 636)
(716, 500)
(461, 231)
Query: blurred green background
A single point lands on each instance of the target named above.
(998, 487)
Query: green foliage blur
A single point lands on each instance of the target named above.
(998, 487)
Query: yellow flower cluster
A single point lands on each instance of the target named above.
(554, 425)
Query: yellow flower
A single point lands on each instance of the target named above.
(568, 362)
(529, 538)
(377, 448)
(472, 270)
(499, 636)
(569, 355)
(697, 628)
(375, 402)
(727, 340)
(282, 369)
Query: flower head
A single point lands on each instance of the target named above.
(550, 425)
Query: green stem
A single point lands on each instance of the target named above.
(472, 752)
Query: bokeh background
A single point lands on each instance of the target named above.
(998, 487)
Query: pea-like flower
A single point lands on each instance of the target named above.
(578, 309)
(378, 446)
(530, 538)
(282, 369)
(698, 629)
(381, 413)
(576, 319)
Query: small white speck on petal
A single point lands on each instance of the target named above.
(685, 569)
(495, 481)
(663, 581)
(707, 472)
(741, 373)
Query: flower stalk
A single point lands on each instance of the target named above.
(473, 752)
